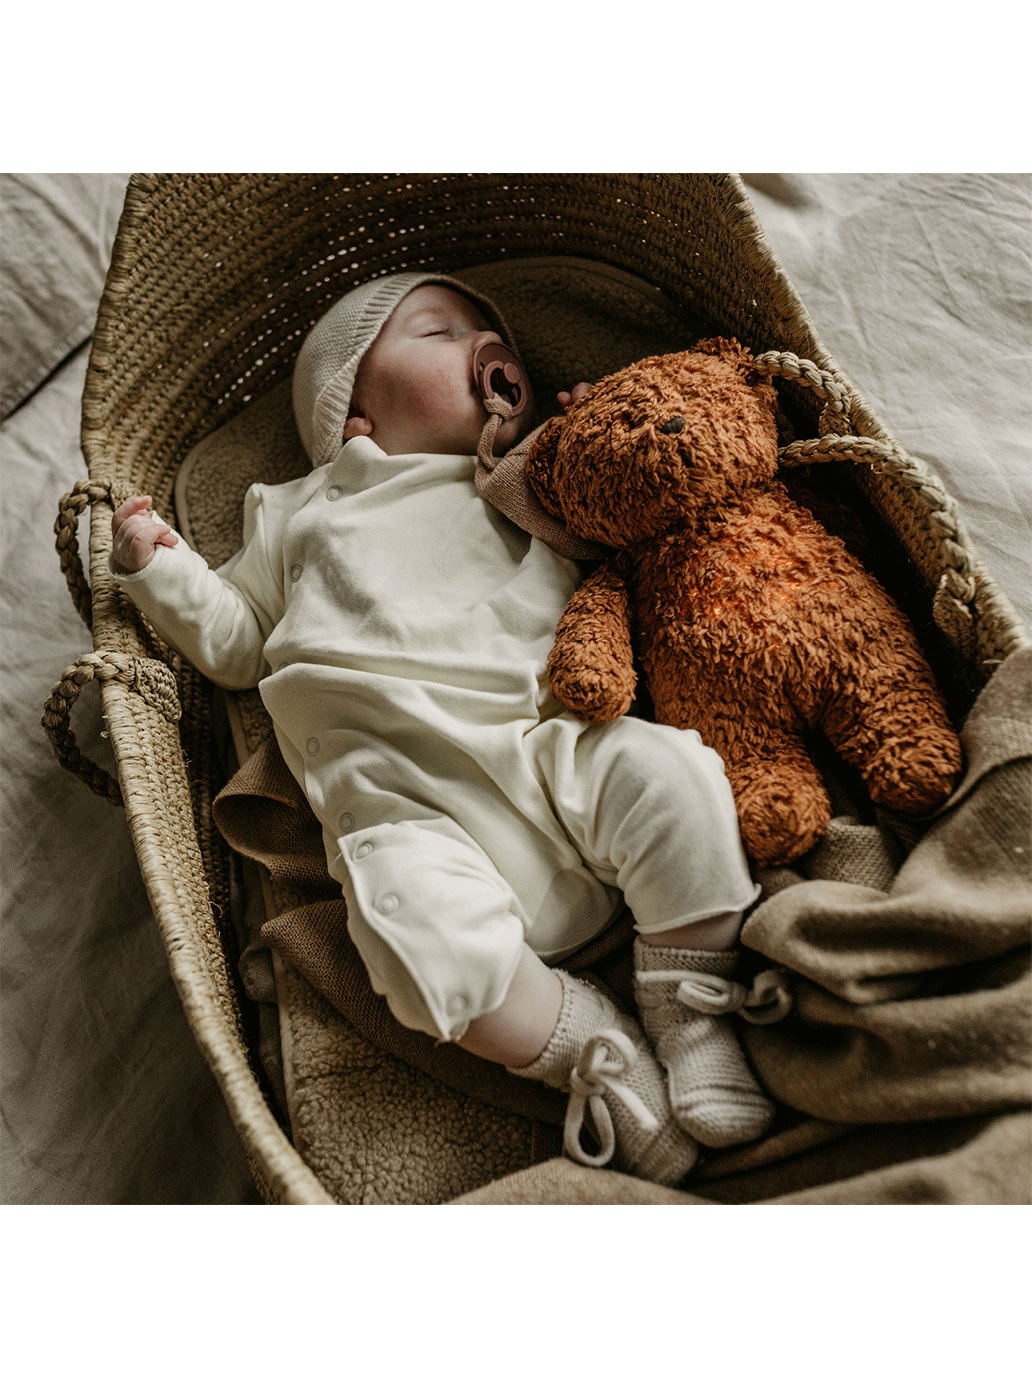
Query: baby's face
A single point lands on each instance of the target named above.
(415, 392)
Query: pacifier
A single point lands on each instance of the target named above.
(498, 373)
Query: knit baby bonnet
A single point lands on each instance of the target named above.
(324, 376)
(328, 362)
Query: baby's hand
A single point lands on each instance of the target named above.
(567, 399)
(137, 531)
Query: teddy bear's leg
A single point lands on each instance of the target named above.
(783, 807)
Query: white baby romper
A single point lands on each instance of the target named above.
(405, 624)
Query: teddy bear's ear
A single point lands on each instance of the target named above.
(540, 463)
(729, 350)
(741, 359)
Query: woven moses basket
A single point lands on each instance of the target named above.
(214, 282)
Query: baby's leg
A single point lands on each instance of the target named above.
(652, 806)
(438, 930)
(650, 810)
(517, 1031)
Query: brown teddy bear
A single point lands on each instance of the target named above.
(752, 622)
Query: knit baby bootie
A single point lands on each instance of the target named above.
(684, 998)
(615, 1083)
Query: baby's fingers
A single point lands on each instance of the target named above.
(567, 399)
(140, 502)
(134, 543)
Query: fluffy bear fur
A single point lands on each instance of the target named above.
(751, 621)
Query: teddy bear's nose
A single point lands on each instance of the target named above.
(674, 426)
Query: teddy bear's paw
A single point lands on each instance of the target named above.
(779, 822)
(591, 693)
(914, 777)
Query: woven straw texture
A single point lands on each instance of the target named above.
(214, 282)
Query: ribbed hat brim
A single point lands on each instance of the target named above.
(327, 364)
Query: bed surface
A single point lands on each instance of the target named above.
(917, 284)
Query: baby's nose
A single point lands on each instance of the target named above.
(482, 337)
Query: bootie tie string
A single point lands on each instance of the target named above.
(766, 1002)
(604, 1062)
(701, 991)
(770, 999)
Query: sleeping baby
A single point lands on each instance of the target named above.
(398, 628)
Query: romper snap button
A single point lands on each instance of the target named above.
(346, 822)
(363, 851)
(388, 904)
(296, 573)
(313, 746)
(334, 493)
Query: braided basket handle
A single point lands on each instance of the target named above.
(776, 364)
(957, 585)
(837, 439)
(153, 680)
(66, 528)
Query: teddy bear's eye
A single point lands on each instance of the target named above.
(673, 427)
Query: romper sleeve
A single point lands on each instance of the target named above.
(219, 619)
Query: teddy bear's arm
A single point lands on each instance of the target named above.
(591, 665)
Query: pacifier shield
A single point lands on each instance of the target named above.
(498, 373)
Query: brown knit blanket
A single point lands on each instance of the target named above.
(902, 1072)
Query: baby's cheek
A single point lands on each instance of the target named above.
(438, 394)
